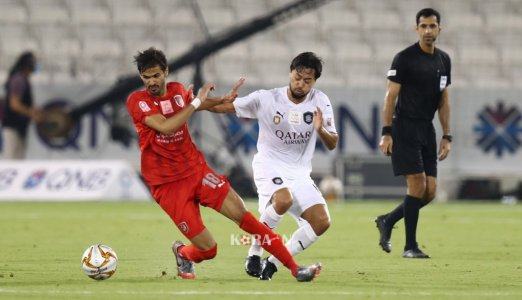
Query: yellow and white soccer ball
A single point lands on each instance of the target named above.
(99, 262)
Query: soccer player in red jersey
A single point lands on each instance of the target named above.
(176, 171)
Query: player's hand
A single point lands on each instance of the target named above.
(190, 92)
(318, 119)
(444, 149)
(232, 94)
(204, 90)
(386, 145)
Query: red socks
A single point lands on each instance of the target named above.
(270, 241)
(192, 253)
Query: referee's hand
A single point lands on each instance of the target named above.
(444, 149)
(386, 145)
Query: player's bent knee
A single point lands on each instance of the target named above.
(320, 226)
(282, 201)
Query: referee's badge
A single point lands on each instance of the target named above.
(443, 81)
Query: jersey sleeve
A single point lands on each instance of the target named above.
(328, 116)
(248, 106)
(141, 108)
(396, 73)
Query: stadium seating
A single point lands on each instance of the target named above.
(69, 36)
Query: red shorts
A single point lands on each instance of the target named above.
(181, 199)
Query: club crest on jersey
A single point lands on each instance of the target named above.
(308, 117)
(179, 101)
(144, 106)
(166, 107)
(278, 117)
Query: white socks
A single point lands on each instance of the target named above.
(271, 219)
(302, 238)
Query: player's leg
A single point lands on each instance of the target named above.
(313, 219)
(177, 200)
(216, 193)
(202, 247)
(311, 225)
(233, 208)
(271, 214)
(274, 200)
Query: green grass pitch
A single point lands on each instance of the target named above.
(476, 251)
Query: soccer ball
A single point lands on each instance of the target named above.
(99, 262)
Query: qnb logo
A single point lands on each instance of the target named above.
(499, 129)
(34, 179)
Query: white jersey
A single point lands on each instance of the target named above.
(286, 134)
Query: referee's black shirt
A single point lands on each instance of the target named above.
(422, 77)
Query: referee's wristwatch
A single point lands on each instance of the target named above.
(448, 137)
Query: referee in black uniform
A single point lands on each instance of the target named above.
(419, 77)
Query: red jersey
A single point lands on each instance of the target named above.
(164, 157)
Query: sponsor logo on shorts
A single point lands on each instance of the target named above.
(392, 72)
(308, 117)
(183, 227)
(277, 180)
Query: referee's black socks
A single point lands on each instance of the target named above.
(412, 206)
(398, 213)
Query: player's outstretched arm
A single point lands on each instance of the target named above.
(226, 105)
(169, 125)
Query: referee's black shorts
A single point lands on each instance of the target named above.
(414, 147)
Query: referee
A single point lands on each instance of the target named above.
(419, 77)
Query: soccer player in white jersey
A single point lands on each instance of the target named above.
(291, 118)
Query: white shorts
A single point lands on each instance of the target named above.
(304, 191)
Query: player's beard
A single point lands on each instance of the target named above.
(154, 90)
(297, 96)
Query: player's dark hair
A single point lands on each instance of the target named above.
(150, 58)
(426, 13)
(307, 60)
